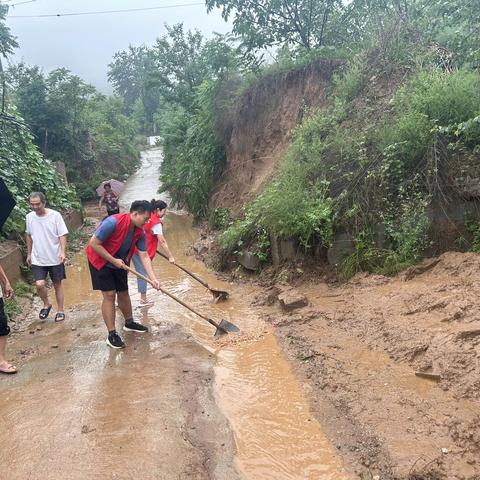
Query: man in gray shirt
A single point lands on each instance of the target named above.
(47, 245)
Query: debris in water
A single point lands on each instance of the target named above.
(87, 429)
(430, 376)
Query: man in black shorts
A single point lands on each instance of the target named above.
(109, 251)
(47, 245)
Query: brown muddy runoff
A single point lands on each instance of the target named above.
(176, 403)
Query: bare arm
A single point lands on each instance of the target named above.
(6, 284)
(63, 246)
(97, 246)
(29, 249)
(163, 243)
(100, 203)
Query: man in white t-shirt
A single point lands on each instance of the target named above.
(47, 245)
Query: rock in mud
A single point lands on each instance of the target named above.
(203, 245)
(292, 299)
(248, 260)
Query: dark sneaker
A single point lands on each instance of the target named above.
(114, 340)
(135, 327)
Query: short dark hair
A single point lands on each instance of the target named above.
(158, 205)
(107, 184)
(39, 195)
(141, 206)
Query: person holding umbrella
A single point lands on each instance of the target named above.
(110, 195)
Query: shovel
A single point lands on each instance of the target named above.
(222, 328)
(218, 295)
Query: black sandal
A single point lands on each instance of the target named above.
(44, 312)
(60, 317)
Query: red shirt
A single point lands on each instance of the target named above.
(114, 242)
(152, 239)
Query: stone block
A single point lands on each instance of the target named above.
(342, 246)
(292, 299)
(248, 260)
(288, 249)
(73, 219)
(11, 259)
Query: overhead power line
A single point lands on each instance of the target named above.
(102, 12)
(20, 3)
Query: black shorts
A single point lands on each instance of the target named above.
(4, 328)
(56, 272)
(107, 279)
(113, 212)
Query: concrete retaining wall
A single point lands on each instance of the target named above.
(73, 219)
(10, 259)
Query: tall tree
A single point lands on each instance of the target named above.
(267, 23)
(131, 74)
(7, 44)
(7, 41)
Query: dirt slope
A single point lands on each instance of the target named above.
(258, 129)
(357, 346)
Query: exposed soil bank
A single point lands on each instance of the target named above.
(357, 347)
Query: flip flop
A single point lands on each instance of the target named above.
(44, 312)
(10, 369)
(60, 317)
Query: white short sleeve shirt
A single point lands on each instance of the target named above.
(46, 231)
(157, 229)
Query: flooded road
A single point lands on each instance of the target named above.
(176, 403)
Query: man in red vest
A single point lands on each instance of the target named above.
(109, 251)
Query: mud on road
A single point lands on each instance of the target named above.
(358, 347)
(79, 410)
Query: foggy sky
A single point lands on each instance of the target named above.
(86, 44)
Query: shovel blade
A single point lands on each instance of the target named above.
(225, 327)
(219, 295)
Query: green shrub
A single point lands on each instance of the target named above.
(349, 84)
(24, 170)
(219, 218)
(21, 290)
(295, 204)
(193, 154)
(428, 100)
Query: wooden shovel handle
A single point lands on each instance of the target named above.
(173, 297)
(198, 279)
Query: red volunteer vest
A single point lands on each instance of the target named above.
(152, 239)
(114, 242)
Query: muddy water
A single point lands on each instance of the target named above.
(275, 435)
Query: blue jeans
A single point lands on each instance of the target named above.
(141, 284)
